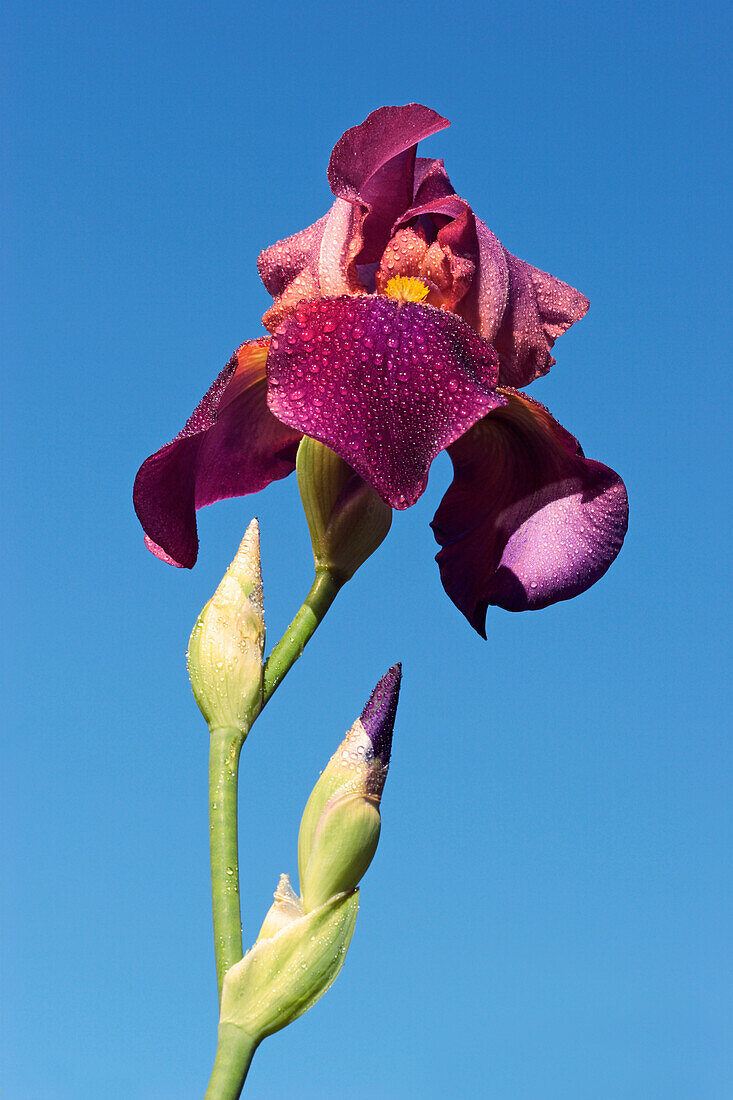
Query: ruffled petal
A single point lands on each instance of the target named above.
(539, 309)
(385, 384)
(431, 181)
(527, 520)
(373, 166)
(283, 261)
(457, 228)
(317, 262)
(230, 446)
(516, 307)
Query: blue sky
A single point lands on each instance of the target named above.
(548, 915)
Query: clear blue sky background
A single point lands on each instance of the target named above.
(548, 916)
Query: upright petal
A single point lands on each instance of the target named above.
(516, 307)
(539, 309)
(373, 166)
(431, 181)
(456, 227)
(317, 262)
(527, 520)
(231, 445)
(385, 384)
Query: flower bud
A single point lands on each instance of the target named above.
(340, 827)
(227, 643)
(287, 972)
(347, 520)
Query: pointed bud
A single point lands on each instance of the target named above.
(284, 974)
(347, 520)
(227, 643)
(340, 827)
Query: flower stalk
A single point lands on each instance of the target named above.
(225, 747)
(324, 590)
(234, 1052)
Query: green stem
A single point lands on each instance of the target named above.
(323, 592)
(234, 1051)
(226, 745)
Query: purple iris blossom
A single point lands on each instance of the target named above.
(401, 327)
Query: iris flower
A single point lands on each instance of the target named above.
(401, 327)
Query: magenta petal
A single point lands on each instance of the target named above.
(484, 305)
(539, 309)
(283, 261)
(527, 520)
(319, 261)
(230, 446)
(385, 384)
(379, 714)
(373, 165)
(431, 181)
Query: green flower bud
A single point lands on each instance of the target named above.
(284, 974)
(344, 844)
(227, 643)
(340, 826)
(302, 943)
(347, 520)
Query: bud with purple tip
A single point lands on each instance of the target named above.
(340, 827)
(303, 941)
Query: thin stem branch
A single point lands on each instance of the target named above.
(323, 592)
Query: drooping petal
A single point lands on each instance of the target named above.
(539, 309)
(231, 445)
(385, 384)
(527, 520)
(373, 166)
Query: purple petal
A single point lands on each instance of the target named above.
(317, 262)
(230, 446)
(373, 166)
(516, 307)
(431, 181)
(385, 384)
(485, 304)
(378, 715)
(527, 520)
(283, 261)
(466, 235)
(539, 309)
